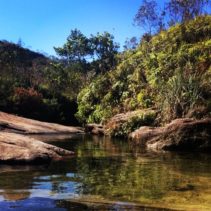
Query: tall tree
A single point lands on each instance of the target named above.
(96, 53)
(185, 10)
(104, 50)
(149, 17)
(76, 48)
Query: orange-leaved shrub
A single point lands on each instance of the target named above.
(27, 100)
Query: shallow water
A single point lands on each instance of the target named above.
(109, 175)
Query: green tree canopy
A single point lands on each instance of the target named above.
(104, 49)
(98, 51)
(76, 49)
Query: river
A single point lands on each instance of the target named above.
(109, 174)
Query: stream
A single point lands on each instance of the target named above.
(108, 174)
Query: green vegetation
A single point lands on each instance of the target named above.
(44, 88)
(90, 81)
(33, 85)
(170, 73)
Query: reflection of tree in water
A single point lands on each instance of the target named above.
(109, 173)
(121, 178)
(111, 169)
(16, 178)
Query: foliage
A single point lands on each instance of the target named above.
(131, 44)
(96, 52)
(155, 19)
(35, 86)
(105, 49)
(149, 16)
(76, 48)
(185, 10)
(166, 72)
(181, 94)
(27, 98)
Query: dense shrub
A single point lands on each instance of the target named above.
(27, 101)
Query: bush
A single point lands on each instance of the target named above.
(28, 102)
(180, 95)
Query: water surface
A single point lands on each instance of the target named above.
(109, 174)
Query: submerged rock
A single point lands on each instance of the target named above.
(179, 135)
(17, 148)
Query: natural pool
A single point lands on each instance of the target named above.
(109, 174)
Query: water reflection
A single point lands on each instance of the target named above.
(108, 171)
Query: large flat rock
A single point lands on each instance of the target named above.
(17, 148)
(9, 122)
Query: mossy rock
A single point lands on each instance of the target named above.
(122, 124)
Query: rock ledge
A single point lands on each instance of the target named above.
(180, 135)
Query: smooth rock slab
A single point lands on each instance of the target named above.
(17, 148)
(179, 135)
(10, 122)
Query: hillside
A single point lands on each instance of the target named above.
(31, 86)
(18, 54)
(169, 72)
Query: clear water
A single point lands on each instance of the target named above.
(109, 174)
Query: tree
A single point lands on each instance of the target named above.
(97, 52)
(185, 10)
(76, 49)
(104, 49)
(154, 19)
(149, 17)
(131, 43)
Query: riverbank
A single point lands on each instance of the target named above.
(141, 129)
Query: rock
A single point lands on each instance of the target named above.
(17, 148)
(124, 123)
(95, 129)
(179, 135)
(9, 122)
(144, 134)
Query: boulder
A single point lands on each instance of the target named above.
(18, 149)
(95, 129)
(180, 135)
(122, 124)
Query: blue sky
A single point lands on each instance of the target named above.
(42, 24)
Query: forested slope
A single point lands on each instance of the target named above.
(32, 85)
(169, 72)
